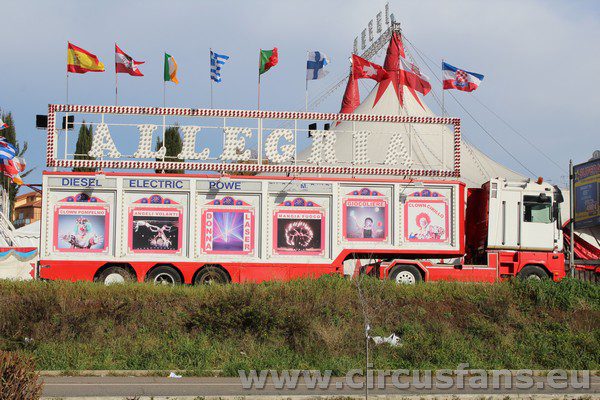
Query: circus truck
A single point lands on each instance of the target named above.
(240, 203)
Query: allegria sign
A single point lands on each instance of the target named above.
(268, 141)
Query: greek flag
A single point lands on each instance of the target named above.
(7, 150)
(216, 61)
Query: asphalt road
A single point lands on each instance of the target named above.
(65, 387)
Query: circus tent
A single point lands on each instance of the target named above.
(430, 146)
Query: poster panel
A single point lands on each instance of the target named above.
(155, 230)
(586, 183)
(365, 216)
(155, 226)
(426, 218)
(227, 227)
(81, 224)
(299, 232)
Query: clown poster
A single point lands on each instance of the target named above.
(81, 229)
(426, 220)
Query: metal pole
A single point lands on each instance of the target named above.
(259, 56)
(164, 116)
(258, 104)
(367, 328)
(306, 90)
(572, 224)
(116, 88)
(443, 108)
(210, 77)
(67, 119)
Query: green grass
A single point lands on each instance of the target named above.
(304, 324)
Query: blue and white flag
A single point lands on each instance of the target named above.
(216, 62)
(315, 65)
(7, 150)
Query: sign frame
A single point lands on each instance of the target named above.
(53, 160)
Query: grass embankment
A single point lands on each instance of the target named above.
(307, 324)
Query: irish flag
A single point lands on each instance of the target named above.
(81, 61)
(268, 59)
(170, 69)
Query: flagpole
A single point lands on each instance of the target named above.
(164, 116)
(443, 108)
(67, 112)
(210, 77)
(259, 55)
(306, 89)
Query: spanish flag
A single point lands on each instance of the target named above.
(81, 61)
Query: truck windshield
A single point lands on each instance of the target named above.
(537, 209)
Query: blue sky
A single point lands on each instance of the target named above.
(541, 60)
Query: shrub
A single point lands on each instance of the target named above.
(18, 379)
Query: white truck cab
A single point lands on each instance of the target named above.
(524, 215)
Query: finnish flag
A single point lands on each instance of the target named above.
(315, 65)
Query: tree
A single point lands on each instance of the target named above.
(83, 146)
(7, 184)
(174, 145)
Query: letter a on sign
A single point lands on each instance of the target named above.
(103, 141)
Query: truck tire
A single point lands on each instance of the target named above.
(211, 275)
(115, 275)
(164, 275)
(406, 275)
(533, 272)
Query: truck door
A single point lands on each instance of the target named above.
(537, 227)
(508, 234)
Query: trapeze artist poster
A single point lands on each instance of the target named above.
(155, 230)
(81, 229)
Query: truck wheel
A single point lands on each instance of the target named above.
(405, 274)
(533, 273)
(211, 275)
(115, 275)
(164, 275)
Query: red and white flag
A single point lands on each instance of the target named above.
(413, 78)
(12, 168)
(362, 68)
(125, 64)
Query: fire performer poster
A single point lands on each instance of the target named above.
(365, 219)
(228, 227)
(426, 220)
(155, 230)
(81, 228)
(299, 232)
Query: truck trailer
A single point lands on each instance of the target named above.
(204, 228)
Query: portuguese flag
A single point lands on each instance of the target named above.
(268, 59)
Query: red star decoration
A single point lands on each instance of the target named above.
(395, 50)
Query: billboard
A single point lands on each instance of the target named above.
(586, 194)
